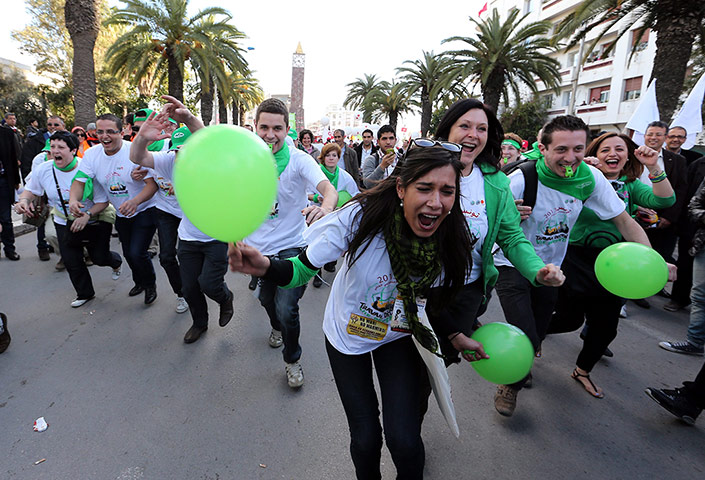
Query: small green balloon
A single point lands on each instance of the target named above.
(343, 197)
(226, 181)
(631, 270)
(510, 351)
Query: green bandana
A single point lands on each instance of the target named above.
(332, 177)
(282, 158)
(534, 153)
(580, 185)
(68, 167)
(412, 258)
(88, 188)
(156, 146)
(511, 142)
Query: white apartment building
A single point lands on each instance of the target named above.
(605, 91)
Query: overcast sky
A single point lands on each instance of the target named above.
(342, 40)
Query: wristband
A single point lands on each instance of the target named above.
(451, 338)
(660, 177)
(315, 198)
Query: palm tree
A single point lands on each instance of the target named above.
(675, 22)
(81, 17)
(430, 78)
(162, 39)
(504, 55)
(360, 93)
(245, 94)
(390, 100)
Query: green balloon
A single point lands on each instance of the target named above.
(510, 350)
(226, 181)
(343, 197)
(631, 270)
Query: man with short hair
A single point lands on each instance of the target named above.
(349, 160)
(675, 138)
(366, 148)
(9, 182)
(281, 235)
(55, 123)
(109, 164)
(380, 164)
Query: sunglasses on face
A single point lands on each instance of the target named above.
(109, 132)
(54, 124)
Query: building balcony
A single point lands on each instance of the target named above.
(594, 107)
(596, 71)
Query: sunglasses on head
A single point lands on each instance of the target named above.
(428, 143)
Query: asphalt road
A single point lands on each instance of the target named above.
(125, 398)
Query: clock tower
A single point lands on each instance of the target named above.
(298, 63)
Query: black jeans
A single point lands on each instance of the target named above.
(203, 269)
(167, 229)
(403, 382)
(98, 246)
(582, 299)
(7, 197)
(695, 390)
(681, 287)
(42, 238)
(135, 234)
(663, 240)
(525, 306)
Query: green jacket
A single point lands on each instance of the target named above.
(503, 229)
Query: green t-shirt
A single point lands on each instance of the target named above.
(590, 231)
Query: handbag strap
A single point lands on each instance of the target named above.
(58, 190)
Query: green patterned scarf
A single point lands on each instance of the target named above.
(580, 185)
(416, 265)
(332, 177)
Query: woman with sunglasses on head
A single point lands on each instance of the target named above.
(492, 217)
(74, 232)
(582, 299)
(399, 239)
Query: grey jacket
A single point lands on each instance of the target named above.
(696, 211)
(372, 173)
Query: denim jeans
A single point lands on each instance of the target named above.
(7, 196)
(696, 328)
(203, 268)
(282, 306)
(135, 233)
(404, 389)
(167, 229)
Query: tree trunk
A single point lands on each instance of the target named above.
(492, 90)
(235, 111)
(393, 117)
(207, 102)
(222, 110)
(425, 111)
(82, 22)
(242, 115)
(676, 28)
(176, 76)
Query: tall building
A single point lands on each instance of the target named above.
(298, 64)
(605, 90)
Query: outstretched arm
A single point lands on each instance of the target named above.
(151, 131)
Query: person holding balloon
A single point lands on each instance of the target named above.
(584, 298)
(399, 239)
(202, 259)
(343, 183)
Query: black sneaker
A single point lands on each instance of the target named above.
(4, 334)
(253, 283)
(675, 402)
(329, 267)
(682, 347)
(136, 290)
(317, 281)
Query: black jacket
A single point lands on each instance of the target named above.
(689, 155)
(676, 170)
(8, 157)
(358, 150)
(33, 144)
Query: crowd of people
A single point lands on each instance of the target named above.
(426, 232)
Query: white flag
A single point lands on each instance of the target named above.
(645, 113)
(690, 114)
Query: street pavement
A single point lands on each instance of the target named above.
(125, 398)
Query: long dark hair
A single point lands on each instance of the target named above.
(633, 168)
(378, 205)
(492, 152)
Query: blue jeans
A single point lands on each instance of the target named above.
(282, 306)
(135, 234)
(696, 328)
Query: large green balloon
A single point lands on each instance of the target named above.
(510, 350)
(631, 270)
(226, 181)
(343, 197)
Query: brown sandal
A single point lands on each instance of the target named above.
(577, 375)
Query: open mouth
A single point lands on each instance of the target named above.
(469, 146)
(612, 163)
(428, 222)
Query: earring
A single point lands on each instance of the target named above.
(401, 203)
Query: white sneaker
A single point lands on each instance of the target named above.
(294, 374)
(275, 339)
(116, 273)
(181, 305)
(623, 312)
(78, 302)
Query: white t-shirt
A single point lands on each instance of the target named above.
(361, 302)
(472, 201)
(164, 168)
(345, 183)
(38, 159)
(42, 181)
(166, 201)
(555, 213)
(285, 225)
(112, 172)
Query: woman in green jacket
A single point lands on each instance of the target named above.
(582, 298)
(492, 217)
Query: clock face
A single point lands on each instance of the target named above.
(299, 61)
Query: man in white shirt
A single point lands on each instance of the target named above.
(109, 165)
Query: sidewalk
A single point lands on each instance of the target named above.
(18, 227)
